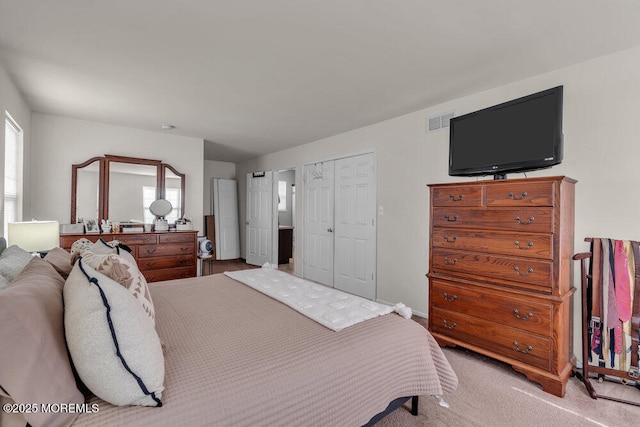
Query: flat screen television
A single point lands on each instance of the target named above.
(516, 136)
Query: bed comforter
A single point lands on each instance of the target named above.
(235, 357)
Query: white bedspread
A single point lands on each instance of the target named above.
(328, 306)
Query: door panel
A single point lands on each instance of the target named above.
(318, 222)
(225, 199)
(355, 230)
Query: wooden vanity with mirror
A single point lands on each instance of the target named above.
(121, 189)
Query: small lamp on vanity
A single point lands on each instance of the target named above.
(34, 236)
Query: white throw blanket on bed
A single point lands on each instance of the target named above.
(330, 307)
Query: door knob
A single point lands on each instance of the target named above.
(330, 230)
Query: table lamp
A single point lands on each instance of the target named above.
(34, 236)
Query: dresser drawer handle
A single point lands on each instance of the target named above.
(529, 220)
(447, 262)
(184, 249)
(453, 218)
(529, 245)
(517, 269)
(183, 261)
(528, 316)
(525, 351)
(150, 264)
(151, 251)
(450, 239)
(449, 298)
(454, 198)
(446, 325)
(513, 196)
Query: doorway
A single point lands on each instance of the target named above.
(286, 185)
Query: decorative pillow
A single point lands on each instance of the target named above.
(103, 247)
(35, 364)
(78, 247)
(124, 270)
(60, 260)
(12, 261)
(112, 341)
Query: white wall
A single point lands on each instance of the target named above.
(215, 169)
(12, 102)
(59, 142)
(601, 151)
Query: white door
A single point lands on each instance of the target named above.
(225, 209)
(355, 228)
(318, 222)
(259, 217)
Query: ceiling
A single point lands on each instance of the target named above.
(252, 77)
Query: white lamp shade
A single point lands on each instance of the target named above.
(34, 236)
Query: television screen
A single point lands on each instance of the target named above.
(516, 136)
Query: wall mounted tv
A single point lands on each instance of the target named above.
(516, 136)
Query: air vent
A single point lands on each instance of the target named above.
(440, 121)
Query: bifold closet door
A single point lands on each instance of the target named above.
(318, 222)
(355, 228)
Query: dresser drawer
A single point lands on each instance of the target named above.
(521, 194)
(535, 220)
(146, 251)
(457, 196)
(536, 273)
(166, 262)
(176, 237)
(503, 340)
(169, 274)
(137, 239)
(494, 306)
(507, 243)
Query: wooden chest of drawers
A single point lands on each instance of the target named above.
(500, 273)
(160, 256)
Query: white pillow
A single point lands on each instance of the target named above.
(124, 270)
(101, 317)
(12, 261)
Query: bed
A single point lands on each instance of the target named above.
(233, 356)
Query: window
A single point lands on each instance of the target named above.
(282, 195)
(172, 195)
(12, 169)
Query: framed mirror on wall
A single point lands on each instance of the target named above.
(121, 189)
(87, 190)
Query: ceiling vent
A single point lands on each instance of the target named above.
(440, 121)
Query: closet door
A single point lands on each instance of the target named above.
(355, 228)
(225, 208)
(318, 222)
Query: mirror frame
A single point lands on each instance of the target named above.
(163, 176)
(103, 181)
(74, 187)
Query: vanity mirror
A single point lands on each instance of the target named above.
(121, 189)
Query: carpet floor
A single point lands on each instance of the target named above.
(490, 393)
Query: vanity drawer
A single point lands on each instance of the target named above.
(146, 251)
(513, 343)
(535, 220)
(167, 262)
(457, 196)
(508, 243)
(499, 307)
(536, 273)
(521, 194)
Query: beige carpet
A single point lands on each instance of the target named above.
(490, 393)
